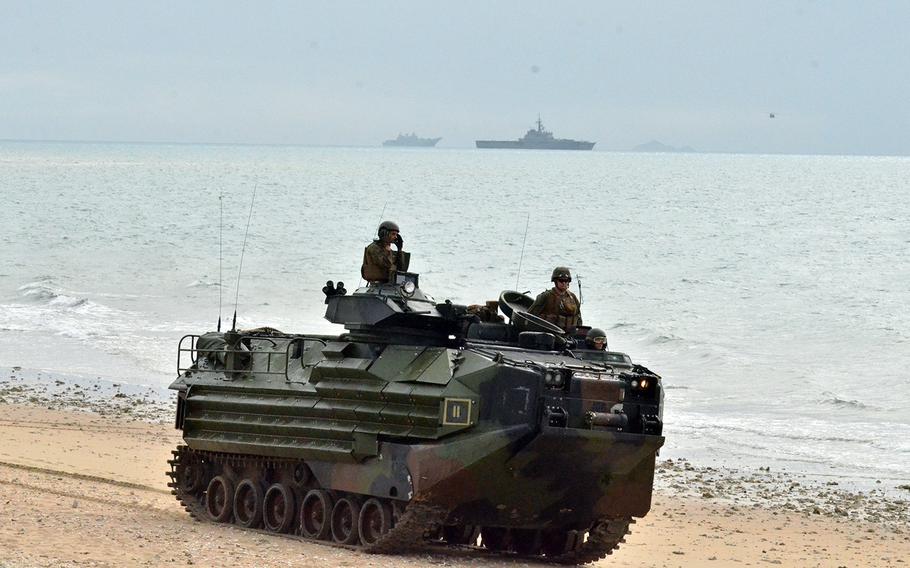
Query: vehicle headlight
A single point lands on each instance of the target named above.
(582, 375)
(553, 379)
(408, 287)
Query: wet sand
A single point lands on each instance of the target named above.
(79, 487)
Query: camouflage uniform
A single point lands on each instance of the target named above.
(378, 263)
(561, 308)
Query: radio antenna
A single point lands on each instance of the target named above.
(242, 250)
(382, 214)
(220, 255)
(581, 297)
(521, 258)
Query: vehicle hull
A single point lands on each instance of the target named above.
(556, 477)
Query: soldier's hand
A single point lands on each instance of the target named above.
(399, 242)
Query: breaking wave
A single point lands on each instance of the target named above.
(203, 284)
(43, 292)
(47, 307)
(835, 400)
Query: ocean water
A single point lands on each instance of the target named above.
(772, 293)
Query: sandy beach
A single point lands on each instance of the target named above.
(82, 483)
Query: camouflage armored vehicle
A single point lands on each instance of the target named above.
(425, 422)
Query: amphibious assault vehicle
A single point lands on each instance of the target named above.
(425, 422)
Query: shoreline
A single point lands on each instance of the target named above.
(102, 396)
(743, 490)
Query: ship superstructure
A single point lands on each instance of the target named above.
(538, 139)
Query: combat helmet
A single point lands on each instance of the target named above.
(561, 272)
(593, 334)
(386, 227)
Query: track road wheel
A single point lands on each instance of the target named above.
(248, 501)
(554, 542)
(345, 514)
(603, 537)
(494, 538)
(278, 508)
(316, 514)
(190, 477)
(374, 521)
(526, 541)
(460, 534)
(219, 499)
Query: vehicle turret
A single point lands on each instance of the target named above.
(396, 311)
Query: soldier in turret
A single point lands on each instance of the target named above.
(559, 305)
(379, 260)
(596, 339)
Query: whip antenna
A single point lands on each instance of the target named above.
(242, 249)
(523, 241)
(220, 255)
(581, 297)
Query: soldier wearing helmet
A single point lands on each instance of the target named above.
(596, 339)
(558, 305)
(379, 260)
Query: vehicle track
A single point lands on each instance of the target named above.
(416, 528)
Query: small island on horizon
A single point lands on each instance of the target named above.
(412, 140)
(657, 146)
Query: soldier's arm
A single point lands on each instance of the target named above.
(578, 304)
(539, 304)
(364, 264)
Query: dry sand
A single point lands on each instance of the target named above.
(78, 488)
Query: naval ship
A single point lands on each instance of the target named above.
(538, 139)
(412, 140)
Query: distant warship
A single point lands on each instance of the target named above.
(538, 139)
(412, 140)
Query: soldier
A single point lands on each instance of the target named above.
(596, 339)
(558, 305)
(379, 260)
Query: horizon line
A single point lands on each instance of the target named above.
(486, 150)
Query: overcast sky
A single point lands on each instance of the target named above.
(699, 73)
